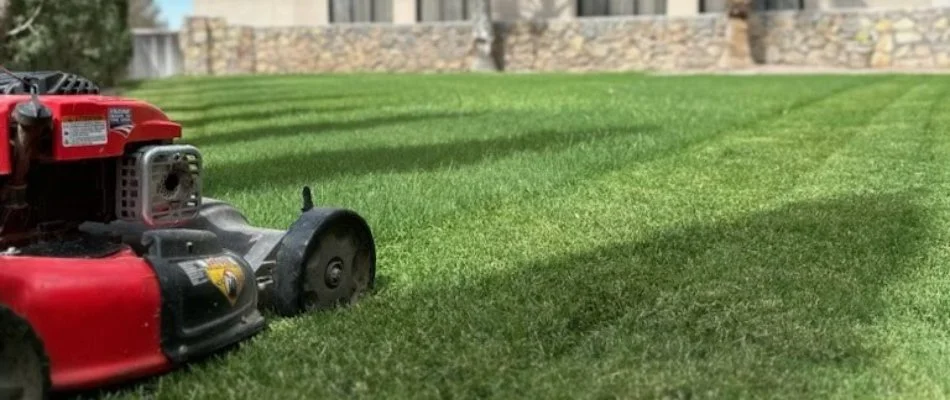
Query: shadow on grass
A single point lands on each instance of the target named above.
(257, 133)
(208, 102)
(312, 167)
(747, 307)
(751, 304)
(246, 116)
(187, 86)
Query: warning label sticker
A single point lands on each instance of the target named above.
(195, 269)
(227, 276)
(85, 131)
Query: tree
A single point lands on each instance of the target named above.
(145, 14)
(88, 37)
(739, 52)
(483, 34)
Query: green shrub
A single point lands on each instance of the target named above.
(88, 37)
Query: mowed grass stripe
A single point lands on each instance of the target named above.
(701, 272)
(569, 285)
(707, 177)
(863, 247)
(896, 142)
(912, 327)
(528, 177)
(533, 155)
(729, 282)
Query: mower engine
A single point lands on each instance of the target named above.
(77, 157)
(117, 265)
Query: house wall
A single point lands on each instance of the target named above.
(838, 38)
(265, 13)
(880, 4)
(277, 13)
(513, 10)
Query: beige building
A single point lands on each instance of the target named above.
(275, 13)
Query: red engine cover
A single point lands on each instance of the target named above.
(91, 126)
(99, 319)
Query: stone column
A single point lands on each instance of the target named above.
(404, 11)
(678, 8)
(196, 46)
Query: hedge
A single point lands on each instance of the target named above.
(88, 37)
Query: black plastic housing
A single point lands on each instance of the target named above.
(197, 317)
(48, 82)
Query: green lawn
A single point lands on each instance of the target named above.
(595, 236)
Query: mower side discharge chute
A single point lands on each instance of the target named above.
(194, 271)
(326, 258)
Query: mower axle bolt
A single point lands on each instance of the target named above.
(334, 274)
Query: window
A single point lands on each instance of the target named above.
(769, 5)
(592, 8)
(715, 6)
(443, 10)
(343, 11)
(712, 6)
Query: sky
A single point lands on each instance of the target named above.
(174, 11)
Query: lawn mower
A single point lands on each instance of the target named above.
(113, 264)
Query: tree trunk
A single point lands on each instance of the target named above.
(484, 37)
(739, 51)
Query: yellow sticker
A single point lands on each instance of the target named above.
(227, 276)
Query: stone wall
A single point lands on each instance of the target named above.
(610, 44)
(913, 38)
(854, 39)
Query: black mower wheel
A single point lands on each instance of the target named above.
(24, 367)
(327, 260)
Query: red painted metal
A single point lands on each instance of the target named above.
(148, 123)
(99, 319)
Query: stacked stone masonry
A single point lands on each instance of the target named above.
(912, 38)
